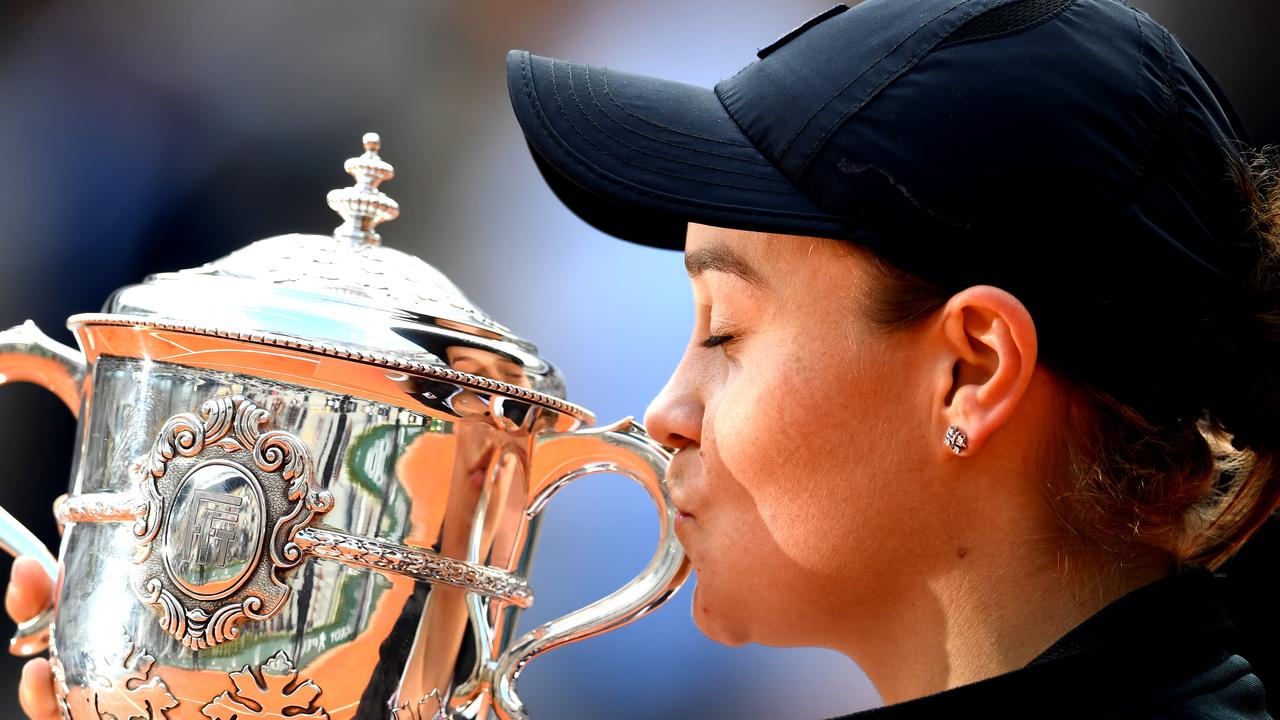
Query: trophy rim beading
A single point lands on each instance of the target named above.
(358, 354)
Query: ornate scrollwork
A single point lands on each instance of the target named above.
(97, 507)
(194, 627)
(416, 563)
(212, 487)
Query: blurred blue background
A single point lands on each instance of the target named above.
(142, 137)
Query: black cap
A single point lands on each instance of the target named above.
(1069, 151)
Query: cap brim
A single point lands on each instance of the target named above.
(640, 157)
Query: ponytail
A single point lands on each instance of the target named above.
(1248, 415)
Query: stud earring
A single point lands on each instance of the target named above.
(956, 440)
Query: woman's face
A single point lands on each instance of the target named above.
(801, 472)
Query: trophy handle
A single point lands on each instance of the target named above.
(626, 449)
(28, 355)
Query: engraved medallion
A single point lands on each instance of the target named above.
(225, 499)
(214, 532)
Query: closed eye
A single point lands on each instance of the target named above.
(715, 340)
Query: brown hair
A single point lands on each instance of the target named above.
(1195, 492)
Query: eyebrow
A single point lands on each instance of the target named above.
(721, 259)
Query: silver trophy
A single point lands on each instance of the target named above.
(307, 485)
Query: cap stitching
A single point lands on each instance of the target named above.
(743, 130)
(591, 92)
(1142, 36)
(854, 79)
(605, 72)
(561, 105)
(573, 92)
(1140, 182)
(556, 92)
(858, 104)
(906, 65)
(526, 73)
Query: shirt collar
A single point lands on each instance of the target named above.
(1151, 638)
(1184, 606)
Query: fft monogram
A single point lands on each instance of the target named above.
(216, 522)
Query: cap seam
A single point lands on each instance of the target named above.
(539, 117)
(562, 107)
(1137, 66)
(604, 72)
(1141, 182)
(871, 92)
(732, 118)
(600, 110)
(805, 125)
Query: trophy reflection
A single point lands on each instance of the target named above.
(308, 485)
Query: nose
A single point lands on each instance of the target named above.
(674, 418)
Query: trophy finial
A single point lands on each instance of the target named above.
(362, 206)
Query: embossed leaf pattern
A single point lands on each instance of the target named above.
(121, 689)
(430, 707)
(274, 694)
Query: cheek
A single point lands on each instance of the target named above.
(821, 449)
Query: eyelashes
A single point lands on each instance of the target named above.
(716, 340)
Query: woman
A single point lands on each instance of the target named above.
(983, 379)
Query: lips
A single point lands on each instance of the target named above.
(676, 484)
(676, 499)
(682, 511)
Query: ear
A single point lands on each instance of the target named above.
(987, 354)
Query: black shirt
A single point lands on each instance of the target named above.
(1161, 651)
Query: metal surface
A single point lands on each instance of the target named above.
(308, 481)
(411, 582)
(626, 449)
(452, 488)
(363, 206)
(124, 686)
(956, 440)
(347, 293)
(275, 690)
(28, 355)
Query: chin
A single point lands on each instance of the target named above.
(721, 624)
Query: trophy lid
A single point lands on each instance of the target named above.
(343, 294)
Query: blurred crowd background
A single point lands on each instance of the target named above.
(141, 137)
